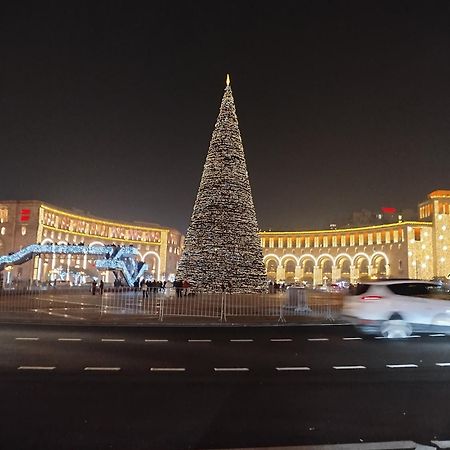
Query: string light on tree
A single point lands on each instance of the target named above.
(222, 246)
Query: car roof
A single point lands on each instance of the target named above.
(397, 281)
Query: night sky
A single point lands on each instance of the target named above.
(108, 107)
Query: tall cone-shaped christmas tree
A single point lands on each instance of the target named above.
(222, 247)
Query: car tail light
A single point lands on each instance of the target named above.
(371, 297)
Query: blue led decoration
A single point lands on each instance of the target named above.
(115, 258)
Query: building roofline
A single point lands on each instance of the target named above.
(134, 225)
(81, 215)
(353, 229)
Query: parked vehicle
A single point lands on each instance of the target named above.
(396, 308)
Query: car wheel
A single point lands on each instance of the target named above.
(395, 329)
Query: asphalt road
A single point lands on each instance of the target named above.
(218, 387)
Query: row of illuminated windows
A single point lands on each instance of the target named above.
(98, 229)
(428, 209)
(66, 237)
(380, 237)
(425, 210)
(23, 230)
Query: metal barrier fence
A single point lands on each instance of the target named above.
(130, 304)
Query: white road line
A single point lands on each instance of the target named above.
(102, 368)
(241, 340)
(443, 364)
(281, 340)
(381, 337)
(27, 338)
(286, 369)
(317, 339)
(36, 368)
(113, 340)
(349, 367)
(167, 369)
(437, 335)
(351, 338)
(231, 369)
(414, 336)
(200, 340)
(156, 340)
(402, 366)
(70, 339)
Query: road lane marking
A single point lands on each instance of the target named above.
(36, 368)
(70, 339)
(281, 340)
(114, 369)
(167, 369)
(231, 369)
(27, 338)
(437, 335)
(286, 369)
(402, 366)
(352, 338)
(381, 337)
(241, 340)
(414, 336)
(443, 364)
(200, 340)
(317, 339)
(113, 340)
(155, 341)
(349, 367)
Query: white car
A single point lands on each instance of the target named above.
(394, 308)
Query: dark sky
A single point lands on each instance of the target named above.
(109, 106)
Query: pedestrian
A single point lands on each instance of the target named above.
(186, 287)
(101, 286)
(94, 287)
(178, 286)
(144, 288)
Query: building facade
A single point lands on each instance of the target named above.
(28, 222)
(409, 249)
(405, 249)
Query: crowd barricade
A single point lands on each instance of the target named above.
(312, 303)
(166, 304)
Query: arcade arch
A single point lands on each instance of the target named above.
(153, 261)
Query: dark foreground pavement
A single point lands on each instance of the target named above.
(212, 387)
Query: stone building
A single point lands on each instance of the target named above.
(406, 249)
(28, 222)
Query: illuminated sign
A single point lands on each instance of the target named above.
(388, 210)
(25, 215)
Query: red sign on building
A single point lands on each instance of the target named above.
(25, 215)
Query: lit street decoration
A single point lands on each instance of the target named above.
(115, 258)
(222, 246)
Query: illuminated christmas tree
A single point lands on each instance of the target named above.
(222, 246)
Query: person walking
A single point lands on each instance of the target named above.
(94, 287)
(101, 286)
(178, 284)
(186, 285)
(144, 288)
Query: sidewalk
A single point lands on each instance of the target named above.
(93, 318)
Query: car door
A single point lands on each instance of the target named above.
(411, 301)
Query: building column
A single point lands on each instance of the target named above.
(298, 273)
(69, 259)
(335, 274)
(370, 270)
(354, 274)
(281, 273)
(317, 275)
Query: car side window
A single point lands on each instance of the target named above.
(413, 289)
